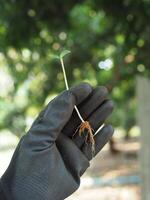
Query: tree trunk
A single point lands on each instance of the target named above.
(143, 116)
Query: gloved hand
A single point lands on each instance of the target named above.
(48, 162)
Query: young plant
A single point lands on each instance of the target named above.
(85, 125)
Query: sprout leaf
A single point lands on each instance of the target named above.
(53, 56)
(63, 53)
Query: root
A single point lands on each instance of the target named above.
(89, 138)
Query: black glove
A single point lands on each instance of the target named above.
(48, 161)
(2, 196)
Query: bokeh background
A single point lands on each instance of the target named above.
(110, 45)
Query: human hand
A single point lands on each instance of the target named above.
(48, 161)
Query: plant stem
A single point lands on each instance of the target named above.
(64, 73)
(82, 120)
(67, 87)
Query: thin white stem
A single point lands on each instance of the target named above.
(79, 114)
(64, 73)
(67, 87)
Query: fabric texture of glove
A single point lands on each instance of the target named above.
(2, 196)
(48, 162)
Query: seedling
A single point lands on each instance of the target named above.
(85, 125)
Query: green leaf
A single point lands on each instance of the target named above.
(53, 56)
(63, 53)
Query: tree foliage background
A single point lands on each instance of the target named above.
(109, 45)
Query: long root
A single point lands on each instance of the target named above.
(89, 138)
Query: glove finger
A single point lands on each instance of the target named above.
(100, 115)
(72, 156)
(59, 110)
(88, 106)
(101, 138)
(79, 140)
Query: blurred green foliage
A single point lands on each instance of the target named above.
(109, 43)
